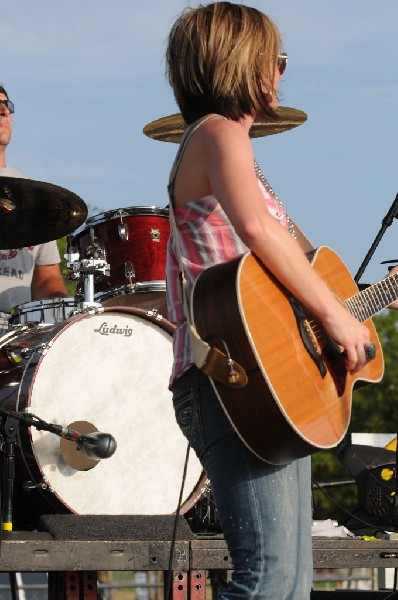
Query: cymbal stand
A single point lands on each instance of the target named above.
(387, 221)
(94, 263)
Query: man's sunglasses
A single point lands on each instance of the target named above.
(8, 104)
(281, 62)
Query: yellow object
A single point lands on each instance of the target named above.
(387, 474)
(392, 445)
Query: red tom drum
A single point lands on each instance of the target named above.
(134, 242)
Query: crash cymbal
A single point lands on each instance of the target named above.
(35, 212)
(170, 129)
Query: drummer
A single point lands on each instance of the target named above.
(30, 273)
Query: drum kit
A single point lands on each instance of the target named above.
(71, 368)
(99, 361)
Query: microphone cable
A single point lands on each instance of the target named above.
(194, 412)
(195, 402)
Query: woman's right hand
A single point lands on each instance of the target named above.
(350, 334)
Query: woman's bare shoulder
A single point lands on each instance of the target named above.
(222, 132)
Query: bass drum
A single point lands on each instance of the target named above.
(106, 372)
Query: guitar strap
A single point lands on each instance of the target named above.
(212, 361)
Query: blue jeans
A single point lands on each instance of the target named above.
(264, 510)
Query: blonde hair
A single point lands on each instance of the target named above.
(221, 58)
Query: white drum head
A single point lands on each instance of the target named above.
(112, 370)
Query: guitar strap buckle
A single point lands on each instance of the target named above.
(215, 363)
(224, 370)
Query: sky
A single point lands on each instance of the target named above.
(86, 76)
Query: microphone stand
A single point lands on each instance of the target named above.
(8, 432)
(387, 221)
(96, 446)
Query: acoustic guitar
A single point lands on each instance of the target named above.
(298, 396)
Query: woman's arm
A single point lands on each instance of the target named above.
(230, 170)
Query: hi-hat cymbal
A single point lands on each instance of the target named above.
(34, 212)
(171, 128)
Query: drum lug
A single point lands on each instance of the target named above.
(90, 309)
(123, 231)
(155, 235)
(29, 486)
(129, 270)
(43, 348)
(155, 314)
(16, 356)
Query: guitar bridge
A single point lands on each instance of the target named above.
(307, 336)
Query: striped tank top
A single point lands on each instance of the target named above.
(206, 237)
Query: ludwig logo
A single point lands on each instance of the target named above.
(114, 330)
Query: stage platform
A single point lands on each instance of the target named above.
(73, 548)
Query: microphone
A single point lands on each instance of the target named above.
(97, 445)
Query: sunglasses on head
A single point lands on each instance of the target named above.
(281, 62)
(8, 104)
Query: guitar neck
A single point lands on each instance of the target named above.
(372, 300)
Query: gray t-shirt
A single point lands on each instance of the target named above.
(10, 172)
(16, 272)
(17, 265)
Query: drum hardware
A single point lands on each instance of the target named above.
(129, 271)
(9, 430)
(42, 312)
(17, 355)
(35, 212)
(89, 282)
(123, 231)
(94, 445)
(155, 235)
(95, 250)
(203, 517)
(154, 313)
(8, 433)
(29, 486)
(123, 228)
(87, 267)
(146, 296)
(26, 353)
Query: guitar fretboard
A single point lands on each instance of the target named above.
(373, 299)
